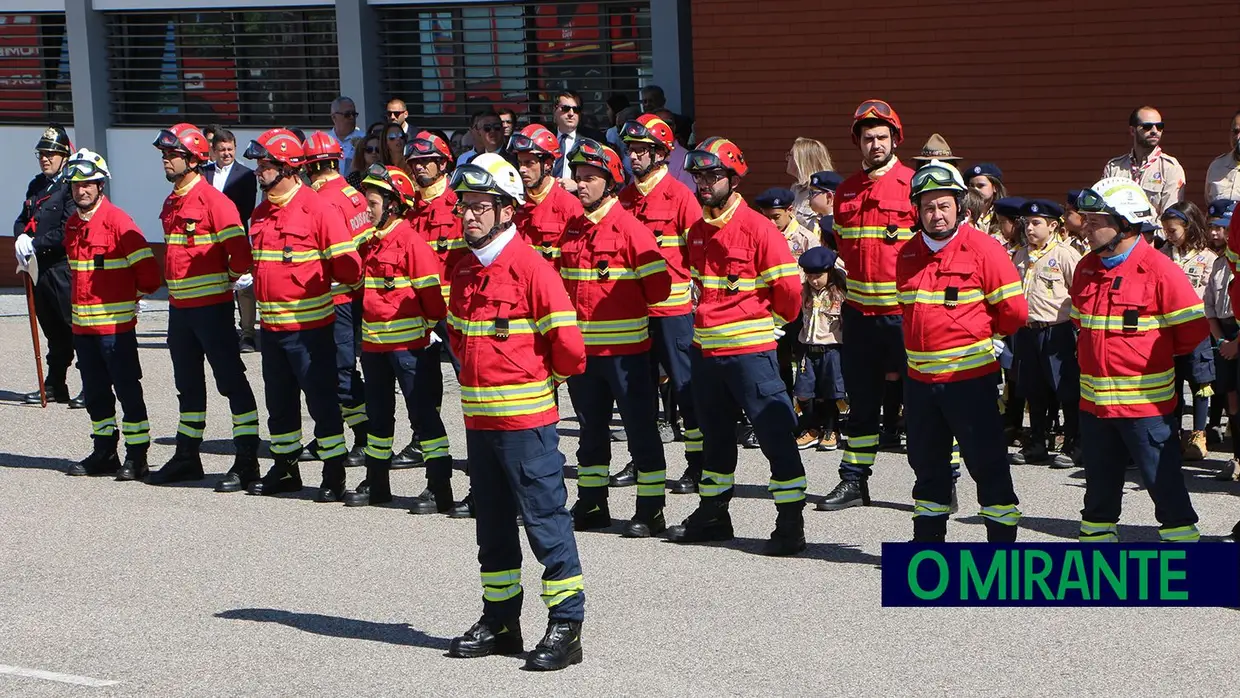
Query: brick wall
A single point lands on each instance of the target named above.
(1041, 87)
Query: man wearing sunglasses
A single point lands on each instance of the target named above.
(548, 205)
(301, 245)
(1136, 311)
(873, 221)
(397, 113)
(566, 113)
(1158, 174)
(345, 129)
(322, 160)
(488, 135)
(206, 251)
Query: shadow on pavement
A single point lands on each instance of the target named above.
(20, 398)
(825, 552)
(346, 628)
(13, 460)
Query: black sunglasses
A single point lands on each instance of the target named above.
(396, 112)
(372, 149)
(566, 108)
(1151, 125)
(487, 128)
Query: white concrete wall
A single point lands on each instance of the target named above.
(17, 153)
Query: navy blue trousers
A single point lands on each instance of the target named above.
(110, 362)
(873, 347)
(419, 381)
(296, 362)
(206, 334)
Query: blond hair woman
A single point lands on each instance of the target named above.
(805, 157)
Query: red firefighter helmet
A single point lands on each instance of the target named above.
(427, 145)
(716, 153)
(186, 139)
(279, 145)
(536, 139)
(322, 145)
(878, 110)
(591, 152)
(649, 128)
(391, 179)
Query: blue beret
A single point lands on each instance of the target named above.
(1072, 197)
(817, 259)
(825, 180)
(1041, 207)
(775, 197)
(985, 168)
(1010, 207)
(1220, 211)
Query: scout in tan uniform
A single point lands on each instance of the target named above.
(820, 381)
(1046, 367)
(1074, 225)
(1158, 174)
(1185, 227)
(1224, 330)
(987, 180)
(1223, 175)
(776, 204)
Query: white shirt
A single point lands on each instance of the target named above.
(348, 146)
(491, 250)
(936, 245)
(221, 176)
(567, 141)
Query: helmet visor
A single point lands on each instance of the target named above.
(1090, 201)
(635, 131)
(701, 160)
(473, 178)
(934, 178)
(521, 143)
(588, 152)
(255, 151)
(872, 109)
(421, 148)
(167, 140)
(377, 175)
(85, 171)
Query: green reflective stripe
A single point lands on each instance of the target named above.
(858, 457)
(693, 445)
(1151, 380)
(925, 507)
(103, 427)
(341, 249)
(379, 447)
(299, 311)
(605, 332)
(1006, 514)
(1092, 532)
(331, 446)
(1129, 390)
(502, 585)
(953, 365)
(1004, 292)
(193, 432)
(198, 286)
(866, 441)
(353, 416)
(562, 318)
(87, 265)
(615, 325)
(435, 448)
(679, 295)
(508, 400)
(736, 334)
(486, 328)
(282, 444)
(296, 257)
(394, 331)
(183, 239)
(872, 293)
(592, 476)
(651, 268)
(714, 484)
(245, 424)
(136, 432)
(557, 591)
(779, 271)
(671, 240)
(379, 283)
(593, 274)
(650, 484)
(788, 491)
(1183, 315)
(193, 417)
(427, 281)
(1180, 534)
(928, 297)
(956, 460)
(722, 283)
(138, 255)
(93, 314)
(362, 236)
(874, 232)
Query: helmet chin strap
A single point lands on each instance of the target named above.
(653, 164)
(591, 208)
(943, 235)
(495, 230)
(1110, 246)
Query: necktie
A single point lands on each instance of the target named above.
(559, 165)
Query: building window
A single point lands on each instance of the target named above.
(262, 68)
(447, 61)
(34, 69)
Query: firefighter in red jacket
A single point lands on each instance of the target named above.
(301, 245)
(111, 266)
(514, 328)
(206, 250)
(668, 208)
(402, 304)
(749, 285)
(1136, 311)
(873, 220)
(548, 205)
(322, 160)
(613, 271)
(958, 290)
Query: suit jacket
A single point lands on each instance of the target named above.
(582, 132)
(241, 188)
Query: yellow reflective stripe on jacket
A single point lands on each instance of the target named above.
(363, 235)
(1115, 323)
(879, 293)
(394, 331)
(93, 315)
(342, 248)
(183, 239)
(122, 263)
(293, 258)
(1129, 390)
(486, 328)
(300, 311)
(736, 334)
(604, 332)
(875, 232)
(928, 297)
(339, 289)
(779, 271)
(679, 296)
(562, 318)
(674, 240)
(651, 268)
(593, 274)
(722, 283)
(1005, 292)
(380, 282)
(512, 400)
(963, 358)
(198, 286)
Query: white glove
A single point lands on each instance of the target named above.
(996, 347)
(24, 247)
(243, 282)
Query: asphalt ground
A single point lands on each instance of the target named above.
(179, 591)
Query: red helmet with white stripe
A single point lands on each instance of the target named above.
(278, 145)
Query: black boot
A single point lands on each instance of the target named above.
(78, 403)
(310, 452)
(409, 456)
(463, 509)
(999, 533)
(435, 499)
(849, 493)
(357, 454)
(376, 488)
(332, 489)
(1034, 453)
(101, 461)
(284, 477)
(55, 393)
(135, 466)
(244, 469)
(645, 523)
(788, 538)
(486, 638)
(688, 483)
(710, 521)
(591, 515)
(186, 465)
(929, 529)
(626, 477)
(1068, 456)
(559, 648)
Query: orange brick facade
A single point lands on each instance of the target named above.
(1041, 87)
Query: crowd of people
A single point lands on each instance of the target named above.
(911, 307)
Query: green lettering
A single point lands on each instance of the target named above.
(1166, 575)
(970, 577)
(1143, 558)
(1102, 568)
(916, 587)
(1015, 576)
(1073, 567)
(1036, 576)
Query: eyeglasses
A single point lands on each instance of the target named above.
(566, 108)
(49, 154)
(347, 114)
(372, 149)
(872, 108)
(397, 112)
(1151, 125)
(489, 128)
(395, 135)
(708, 176)
(478, 209)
